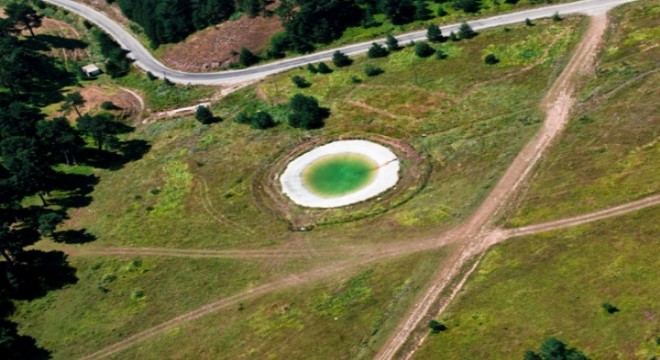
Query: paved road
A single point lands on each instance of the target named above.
(146, 61)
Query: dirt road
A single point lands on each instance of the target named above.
(475, 234)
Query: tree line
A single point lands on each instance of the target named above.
(307, 23)
(35, 187)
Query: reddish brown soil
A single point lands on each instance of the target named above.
(129, 103)
(212, 48)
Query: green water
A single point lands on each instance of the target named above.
(337, 175)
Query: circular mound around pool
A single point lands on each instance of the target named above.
(340, 173)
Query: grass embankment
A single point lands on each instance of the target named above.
(610, 152)
(470, 137)
(344, 317)
(193, 190)
(531, 288)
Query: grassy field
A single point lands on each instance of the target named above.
(470, 139)
(610, 152)
(344, 317)
(193, 190)
(554, 284)
(531, 288)
(117, 296)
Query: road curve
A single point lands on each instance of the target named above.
(146, 61)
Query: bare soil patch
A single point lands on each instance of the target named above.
(112, 10)
(129, 105)
(213, 48)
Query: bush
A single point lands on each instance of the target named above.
(434, 34)
(440, 54)
(243, 118)
(453, 36)
(371, 70)
(377, 51)
(247, 58)
(205, 116)
(392, 43)
(529, 22)
(424, 50)
(312, 69)
(491, 59)
(436, 326)
(306, 112)
(300, 82)
(340, 59)
(355, 79)
(151, 76)
(323, 68)
(611, 309)
(466, 31)
(262, 120)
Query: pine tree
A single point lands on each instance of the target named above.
(392, 43)
(434, 34)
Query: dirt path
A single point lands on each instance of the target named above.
(583, 219)
(476, 238)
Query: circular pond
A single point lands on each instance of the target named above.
(340, 173)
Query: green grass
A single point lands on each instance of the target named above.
(339, 175)
(554, 284)
(160, 96)
(470, 139)
(121, 295)
(193, 189)
(345, 317)
(609, 153)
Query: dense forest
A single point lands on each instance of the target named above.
(307, 22)
(37, 185)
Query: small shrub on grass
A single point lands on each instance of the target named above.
(556, 17)
(529, 22)
(340, 59)
(491, 59)
(371, 70)
(306, 112)
(151, 76)
(243, 118)
(205, 116)
(442, 12)
(424, 50)
(554, 349)
(440, 54)
(436, 326)
(262, 120)
(301, 82)
(453, 36)
(356, 79)
(312, 69)
(324, 69)
(377, 51)
(611, 309)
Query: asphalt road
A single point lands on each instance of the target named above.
(146, 61)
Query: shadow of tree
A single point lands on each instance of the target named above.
(130, 150)
(37, 272)
(19, 347)
(61, 42)
(80, 236)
